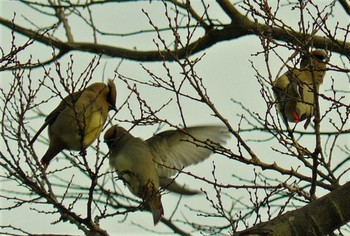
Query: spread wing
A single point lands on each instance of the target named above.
(177, 149)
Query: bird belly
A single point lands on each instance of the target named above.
(305, 108)
(298, 108)
(298, 111)
(135, 165)
(93, 128)
(304, 111)
(78, 135)
(124, 169)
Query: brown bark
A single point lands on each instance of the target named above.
(320, 217)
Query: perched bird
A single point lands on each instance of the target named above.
(78, 120)
(294, 90)
(147, 165)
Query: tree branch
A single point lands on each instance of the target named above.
(345, 5)
(240, 26)
(320, 217)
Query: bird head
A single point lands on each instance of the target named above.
(108, 92)
(114, 134)
(315, 60)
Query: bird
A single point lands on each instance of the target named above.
(146, 166)
(294, 90)
(78, 120)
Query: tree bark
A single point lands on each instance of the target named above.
(320, 217)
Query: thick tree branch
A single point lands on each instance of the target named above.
(320, 217)
(345, 5)
(235, 30)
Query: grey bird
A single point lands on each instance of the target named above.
(294, 91)
(78, 120)
(145, 166)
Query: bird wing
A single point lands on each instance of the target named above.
(171, 185)
(288, 85)
(176, 149)
(53, 115)
(288, 89)
(295, 88)
(281, 83)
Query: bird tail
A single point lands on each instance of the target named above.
(52, 151)
(156, 207)
(49, 155)
(153, 198)
(37, 134)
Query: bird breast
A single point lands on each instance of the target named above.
(94, 127)
(79, 129)
(134, 164)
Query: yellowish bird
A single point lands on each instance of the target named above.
(145, 166)
(294, 90)
(78, 120)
